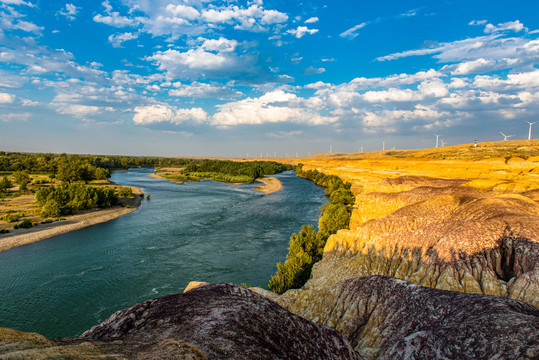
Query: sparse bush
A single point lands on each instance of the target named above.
(24, 224)
(126, 191)
(11, 218)
(46, 221)
(4, 231)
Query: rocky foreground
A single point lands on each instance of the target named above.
(441, 261)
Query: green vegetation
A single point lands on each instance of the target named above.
(52, 163)
(4, 231)
(24, 224)
(5, 185)
(67, 199)
(307, 246)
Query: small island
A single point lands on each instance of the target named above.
(231, 172)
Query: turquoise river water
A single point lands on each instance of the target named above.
(203, 231)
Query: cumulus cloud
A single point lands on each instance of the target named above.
(515, 26)
(69, 11)
(117, 39)
(6, 98)
(195, 63)
(113, 18)
(273, 107)
(301, 31)
(352, 32)
(311, 20)
(146, 115)
(80, 111)
(219, 45)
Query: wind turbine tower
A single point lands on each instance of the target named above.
(437, 136)
(443, 143)
(530, 132)
(505, 137)
(331, 149)
(383, 145)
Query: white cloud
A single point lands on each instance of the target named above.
(301, 31)
(117, 39)
(352, 32)
(273, 107)
(220, 45)
(78, 110)
(113, 18)
(392, 95)
(312, 70)
(202, 90)
(182, 11)
(194, 62)
(145, 115)
(433, 88)
(17, 2)
(515, 26)
(69, 11)
(311, 20)
(6, 98)
(477, 22)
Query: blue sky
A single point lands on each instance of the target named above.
(231, 78)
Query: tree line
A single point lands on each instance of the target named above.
(66, 199)
(307, 246)
(50, 163)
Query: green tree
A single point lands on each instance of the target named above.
(22, 178)
(5, 184)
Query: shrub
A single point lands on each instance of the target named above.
(25, 224)
(46, 221)
(11, 218)
(126, 191)
(4, 231)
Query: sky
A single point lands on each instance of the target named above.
(275, 77)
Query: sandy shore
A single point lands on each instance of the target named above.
(271, 185)
(74, 222)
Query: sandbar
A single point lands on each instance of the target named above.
(78, 221)
(271, 185)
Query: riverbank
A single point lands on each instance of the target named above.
(79, 221)
(271, 185)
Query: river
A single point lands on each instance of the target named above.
(200, 231)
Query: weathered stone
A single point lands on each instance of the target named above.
(387, 318)
(224, 321)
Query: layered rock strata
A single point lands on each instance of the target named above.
(442, 234)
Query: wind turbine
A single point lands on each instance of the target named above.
(530, 132)
(437, 136)
(443, 142)
(505, 137)
(383, 145)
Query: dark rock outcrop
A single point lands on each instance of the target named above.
(387, 318)
(224, 321)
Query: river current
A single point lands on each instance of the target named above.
(200, 231)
